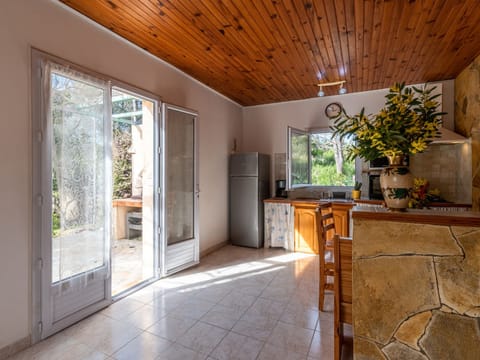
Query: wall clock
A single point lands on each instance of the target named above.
(332, 110)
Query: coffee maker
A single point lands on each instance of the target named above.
(280, 188)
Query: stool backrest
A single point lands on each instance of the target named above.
(342, 313)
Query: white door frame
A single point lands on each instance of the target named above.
(177, 257)
(157, 161)
(42, 228)
(45, 323)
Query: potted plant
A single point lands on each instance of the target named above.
(407, 123)
(356, 192)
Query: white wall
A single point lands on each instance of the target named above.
(265, 126)
(49, 26)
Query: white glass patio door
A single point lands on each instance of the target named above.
(180, 242)
(73, 195)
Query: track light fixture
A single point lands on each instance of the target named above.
(342, 90)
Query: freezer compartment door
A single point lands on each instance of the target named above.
(244, 212)
(244, 164)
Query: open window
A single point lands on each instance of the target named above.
(315, 158)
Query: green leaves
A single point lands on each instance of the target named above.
(407, 123)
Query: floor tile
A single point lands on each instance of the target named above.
(56, 347)
(291, 337)
(258, 327)
(145, 317)
(122, 308)
(202, 337)
(237, 347)
(272, 352)
(193, 308)
(239, 303)
(321, 346)
(179, 352)
(214, 292)
(300, 316)
(105, 335)
(268, 308)
(237, 300)
(144, 346)
(274, 292)
(169, 302)
(171, 327)
(222, 316)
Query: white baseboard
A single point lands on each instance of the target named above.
(213, 248)
(15, 347)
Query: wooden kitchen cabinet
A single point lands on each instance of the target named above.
(341, 217)
(305, 228)
(305, 225)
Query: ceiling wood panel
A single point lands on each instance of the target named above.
(258, 52)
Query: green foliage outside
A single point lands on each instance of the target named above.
(74, 113)
(324, 163)
(122, 142)
(122, 162)
(299, 161)
(329, 166)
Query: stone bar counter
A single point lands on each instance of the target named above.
(416, 284)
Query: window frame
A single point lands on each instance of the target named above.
(291, 131)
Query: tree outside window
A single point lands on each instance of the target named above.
(315, 158)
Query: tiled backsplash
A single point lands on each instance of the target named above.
(448, 168)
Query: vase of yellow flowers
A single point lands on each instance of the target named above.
(396, 182)
(407, 123)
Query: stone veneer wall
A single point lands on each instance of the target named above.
(416, 291)
(467, 119)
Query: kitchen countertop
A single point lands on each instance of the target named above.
(421, 216)
(360, 201)
(311, 200)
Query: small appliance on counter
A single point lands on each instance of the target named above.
(281, 188)
(374, 189)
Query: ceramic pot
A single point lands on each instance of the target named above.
(396, 183)
(356, 194)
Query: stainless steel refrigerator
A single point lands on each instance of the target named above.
(249, 186)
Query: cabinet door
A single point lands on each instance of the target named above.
(306, 230)
(341, 216)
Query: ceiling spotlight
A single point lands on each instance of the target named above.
(341, 90)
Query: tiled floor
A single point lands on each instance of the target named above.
(240, 303)
(127, 264)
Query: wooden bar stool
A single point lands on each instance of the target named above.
(343, 290)
(325, 232)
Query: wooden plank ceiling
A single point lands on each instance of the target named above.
(258, 52)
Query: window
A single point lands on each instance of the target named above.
(314, 158)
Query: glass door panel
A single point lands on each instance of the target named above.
(133, 242)
(180, 176)
(79, 221)
(298, 162)
(180, 247)
(74, 185)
